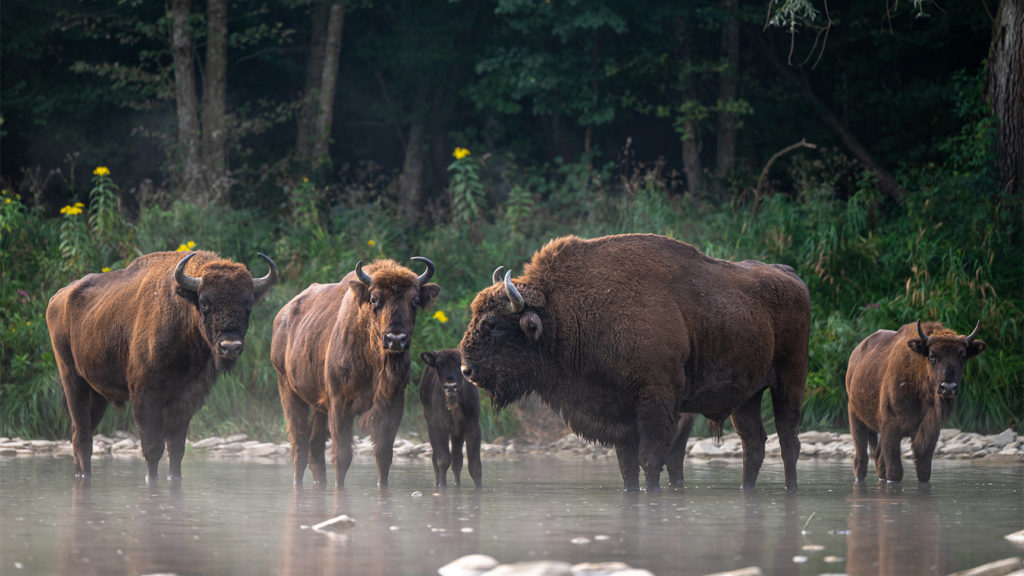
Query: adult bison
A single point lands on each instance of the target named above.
(904, 383)
(343, 349)
(451, 409)
(621, 334)
(155, 334)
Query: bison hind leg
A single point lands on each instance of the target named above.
(677, 454)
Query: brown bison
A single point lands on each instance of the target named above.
(904, 384)
(622, 334)
(155, 334)
(451, 408)
(343, 349)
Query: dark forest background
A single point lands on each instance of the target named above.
(877, 147)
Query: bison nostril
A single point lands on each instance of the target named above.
(467, 371)
(230, 347)
(396, 341)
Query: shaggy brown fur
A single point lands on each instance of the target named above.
(621, 334)
(901, 386)
(343, 349)
(451, 408)
(137, 335)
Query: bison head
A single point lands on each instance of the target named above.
(947, 352)
(392, 294)
(448, 364)
(499, 349)
(224, 292)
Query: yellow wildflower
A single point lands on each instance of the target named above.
(7, 200)
(72, 210)
(305, 179)
(371, 243)
(101, 171)
(440, 316)
(460, 153)
(79, 205)
(190, 244)
(185, 246)
(105, 269)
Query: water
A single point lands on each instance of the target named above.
(238, 517)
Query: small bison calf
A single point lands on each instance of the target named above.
(451, 407)
(901, 384)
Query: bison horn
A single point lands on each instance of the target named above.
(496, 275)
(363, 276)
(514, 296)
(190, 283)
(260, 285)
(924, 339)
(974, 334)
(425, 277)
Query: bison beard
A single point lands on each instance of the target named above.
(627, 336)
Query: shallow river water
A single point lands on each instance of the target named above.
(241, 517)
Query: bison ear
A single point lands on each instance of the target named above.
(976, 347)
(429, 294)
(360, 290)
(430, 358)
(918, 346)
(531, 325)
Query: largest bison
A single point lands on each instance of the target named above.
(154, 334)
(621, 334)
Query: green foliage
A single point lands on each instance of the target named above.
(466, 189)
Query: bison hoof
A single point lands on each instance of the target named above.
(652, 489)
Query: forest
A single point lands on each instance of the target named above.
(875, 147)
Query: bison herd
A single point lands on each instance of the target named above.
(627, 337)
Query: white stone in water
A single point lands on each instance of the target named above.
(600, 568)
(1003, 438)
(800, 559)
(580, 540)
(997, 568)
(749, 571)
(535, 568)
(208, 442)
(602, 537)
(471, 565)
(1017, 537)
(336, 524)
(833, 559)
(813, 547)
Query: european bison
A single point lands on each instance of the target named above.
(621, 334)
(451, 407)
(901, 384)
(343, 349)
(155, 334)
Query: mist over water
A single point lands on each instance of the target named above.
(241, 517)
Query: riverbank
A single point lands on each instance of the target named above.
(1003, 448)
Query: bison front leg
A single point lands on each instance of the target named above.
(627, 450)
(318, 447)
(677, 454)
(148, 416)
(746, 419)
(656, 427)
(441, 457)
(385, 428)
(889, 457)
(923, 445)
(457, 443)
(176, 431)
(340, 424)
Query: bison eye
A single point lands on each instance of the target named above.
(931, 358)
(375, 302)
(204, 307)
(416, 302)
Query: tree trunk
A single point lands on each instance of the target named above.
(311, 94)
(690, 129)
(328, 83)
(1005, 92)
(886, 180)
(412, 171)
(214, 95)
(187, 103)
(728, 89)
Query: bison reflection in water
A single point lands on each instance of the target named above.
(343, 350)
(622, 334)
(155, 334)
(904, 383)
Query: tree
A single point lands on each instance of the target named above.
(1005, 92)
(215, 98)
(185, 98)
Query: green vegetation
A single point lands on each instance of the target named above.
(949, 252)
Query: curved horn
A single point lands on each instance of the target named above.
(363, 276)
(974, 334)
(924, 339)
(425, 277)
(260, 285)
(496, 275)
(190, 283)
(515, 298)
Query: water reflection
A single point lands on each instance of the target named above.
(245, 518)
(891, 531)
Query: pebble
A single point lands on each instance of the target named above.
(998, 449)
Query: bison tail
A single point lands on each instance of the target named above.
(715, 430)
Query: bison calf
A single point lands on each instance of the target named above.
(154, 334)
(904, 384)
(451, 407)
